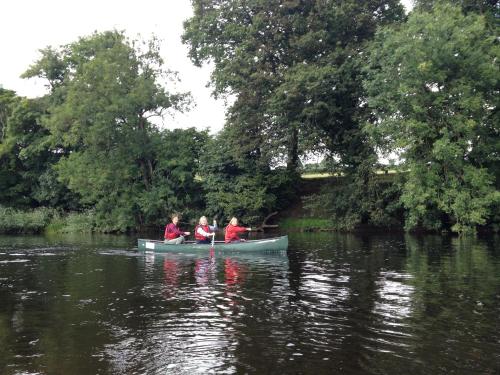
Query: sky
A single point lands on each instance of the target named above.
(26, 26)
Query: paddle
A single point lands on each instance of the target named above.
(212, 248)
(213, 234)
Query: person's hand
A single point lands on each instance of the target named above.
(187, 233)
(249, 229)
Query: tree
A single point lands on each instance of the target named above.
(491, 8)
(292, 67)
(7, 99)
(433, 85)
(235, 185)
(105, 89)
(28, 179)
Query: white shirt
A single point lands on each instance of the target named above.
(206, 234)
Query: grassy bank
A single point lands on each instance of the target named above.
(330, 202)
(38, 220)
(31, 221)
(74, 222)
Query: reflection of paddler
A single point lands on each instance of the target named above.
(203, 269)
(233, 272)
(171, 272)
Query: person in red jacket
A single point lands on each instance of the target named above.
(232, 231)
(172, 233)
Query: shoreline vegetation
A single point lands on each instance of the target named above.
(46, 220)
(300, 216)
(343, 83)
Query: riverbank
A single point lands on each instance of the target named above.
(324, 203)
(332, 203)
(45, 220)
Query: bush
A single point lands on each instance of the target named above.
(74, 222)
(361, 199)
(32, 221)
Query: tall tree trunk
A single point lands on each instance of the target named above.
(145, 174)
(293, 150)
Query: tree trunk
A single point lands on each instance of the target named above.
(293, 150)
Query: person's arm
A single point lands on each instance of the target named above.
(242, 229)
(214, 227)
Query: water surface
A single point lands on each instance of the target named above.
(332, 304)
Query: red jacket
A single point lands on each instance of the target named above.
(232, 233)
(198, 236)
(172, 232)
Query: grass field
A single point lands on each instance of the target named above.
(305, 223)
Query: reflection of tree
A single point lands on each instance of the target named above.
(58, 303)
(457, 283)
(343, 281)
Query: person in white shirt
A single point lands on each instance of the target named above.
(203, 232)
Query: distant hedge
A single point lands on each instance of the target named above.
(32, 221)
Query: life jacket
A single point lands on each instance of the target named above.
(169, 235)
(198, 236)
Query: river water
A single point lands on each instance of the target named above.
(331, 304)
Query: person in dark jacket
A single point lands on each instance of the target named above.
(172, 233)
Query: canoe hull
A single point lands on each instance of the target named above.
(267, 244)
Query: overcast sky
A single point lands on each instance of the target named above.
(29, 25)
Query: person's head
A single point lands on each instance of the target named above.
(203, 220)
(175, 218)
(234, 221)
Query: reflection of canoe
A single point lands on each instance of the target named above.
(266, 244)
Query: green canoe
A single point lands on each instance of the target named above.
(266, 244)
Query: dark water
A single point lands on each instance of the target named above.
(334, 304)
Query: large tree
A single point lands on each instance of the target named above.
(27, 178)
(105, 89)
(293, 69)
(434, 88)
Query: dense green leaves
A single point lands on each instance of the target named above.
(433, 85)
(345, 79)
(236, 185)
(293, 68)
(105, 90)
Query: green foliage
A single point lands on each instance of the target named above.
(293, 68)
(490, 8)
(7, 100)
(31, 221)
(76, 222)
(363, 198)
(433, 85)
(27, 159)
(235, 185)
(305, 224)
(105, 89)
